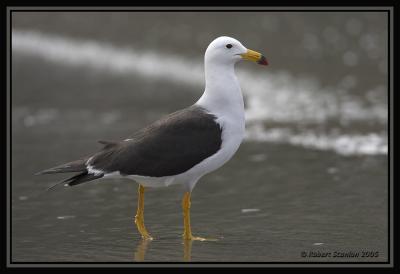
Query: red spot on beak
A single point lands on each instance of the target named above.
(262, 61)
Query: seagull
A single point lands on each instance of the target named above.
(183, 146)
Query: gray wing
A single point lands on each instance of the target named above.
(167, 147)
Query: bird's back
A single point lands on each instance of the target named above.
(167, 147)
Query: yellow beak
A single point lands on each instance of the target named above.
(255, 57)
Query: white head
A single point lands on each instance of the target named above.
(227, 50)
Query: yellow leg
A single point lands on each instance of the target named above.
(139, 218)
(187, 231)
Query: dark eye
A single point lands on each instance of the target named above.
(228, 46)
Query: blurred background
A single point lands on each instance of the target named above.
(311, 174)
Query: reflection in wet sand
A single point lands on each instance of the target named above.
(141, 250)
(187, 250)
(143, 245)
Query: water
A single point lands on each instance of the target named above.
(310, 176)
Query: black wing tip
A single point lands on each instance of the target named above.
(82, 178)
(77, 180)
(53, 186)
(75, 166)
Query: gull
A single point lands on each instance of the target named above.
(183, 146)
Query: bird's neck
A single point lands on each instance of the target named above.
(222, 90)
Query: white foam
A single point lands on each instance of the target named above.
(40, 117)
(249, 210)
(65, 217)
(344, 144)
(104, 56)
